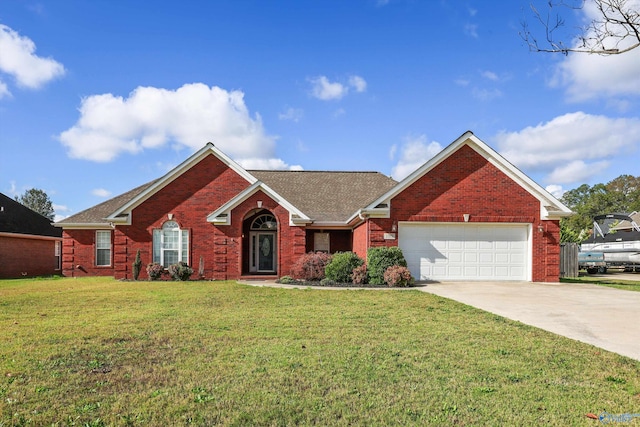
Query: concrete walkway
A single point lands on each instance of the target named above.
(605, 317)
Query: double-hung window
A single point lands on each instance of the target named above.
(103, 248)
(58, 254)
(170, 244)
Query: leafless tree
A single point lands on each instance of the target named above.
(614, 30)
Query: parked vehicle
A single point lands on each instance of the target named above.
(619, 245)
(593, 262)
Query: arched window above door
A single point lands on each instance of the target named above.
(264, 222)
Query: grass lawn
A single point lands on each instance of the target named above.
(612, 282)
(96, 351)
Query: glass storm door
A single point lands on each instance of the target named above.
(264, 252)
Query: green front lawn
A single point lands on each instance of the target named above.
(612, 281)
(101, 352)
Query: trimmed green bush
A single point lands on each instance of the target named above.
(311, 266)
(341, 266)
(286, 280)
(381, 258)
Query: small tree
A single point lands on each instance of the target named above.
(38, 201)
(137, 265)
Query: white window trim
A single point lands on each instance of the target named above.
(110, 248)
(183, 254)
(57, 252)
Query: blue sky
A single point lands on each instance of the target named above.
(98, 97)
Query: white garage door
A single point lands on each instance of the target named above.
(465, 251)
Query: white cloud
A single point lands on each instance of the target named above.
(153, 117)
(293, 114)
(414, 153)
(556, 190)
(325, 90)
(339, 112)
(358, 83)
(4, 90)
(490, 75)
(577, 171)
(18, 59)
(558, 146)
(392, 151)
(59, 211)
(267, 164)
(471, 30)
(586, 76)
(101, 192)
(486, 94)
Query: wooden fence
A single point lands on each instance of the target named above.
(568, 260)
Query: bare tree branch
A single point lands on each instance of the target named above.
(615, 29)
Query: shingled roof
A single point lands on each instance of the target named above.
(323, 196)
(18, 219)
(327, 196)
(98, 213)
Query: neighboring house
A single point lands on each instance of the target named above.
(625, 225)
(29, 244)
(466, 214)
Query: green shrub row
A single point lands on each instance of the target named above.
(384, 266)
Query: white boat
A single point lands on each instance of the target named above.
(620, 242)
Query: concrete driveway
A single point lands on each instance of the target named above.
(605, 317)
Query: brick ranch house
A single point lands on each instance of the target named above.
(29, 245)
(466, 214)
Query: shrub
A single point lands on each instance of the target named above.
(154, 270)
(381, 258)
(327, 282)
(398, 276)
(310, 266)
(341, 266)
(137, 265)
(359, 276)
(180, 271)
(286, 280)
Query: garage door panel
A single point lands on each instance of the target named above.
(465, 251)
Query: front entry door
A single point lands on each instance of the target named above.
(263, 252)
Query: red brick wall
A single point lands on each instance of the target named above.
(360, 240)
(27, 257)
(79, 254)
(190, 198)
(467, 183)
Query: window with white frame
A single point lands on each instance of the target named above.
(170, 244)
(58, 255)
(103, 248)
